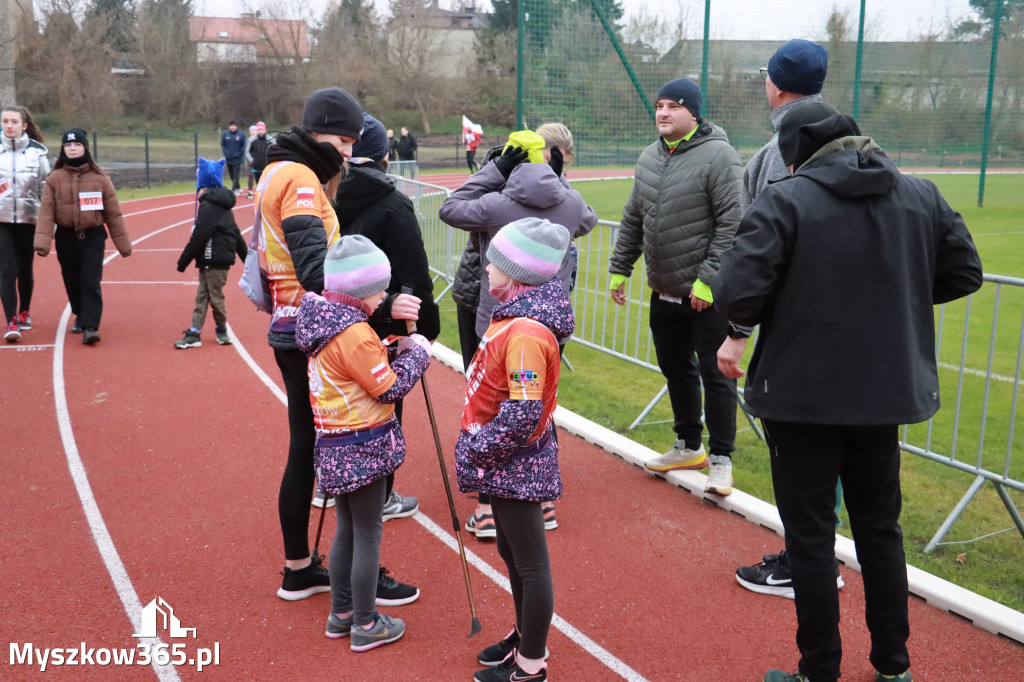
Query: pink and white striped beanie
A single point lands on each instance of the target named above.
(529, 250)
(355, 266)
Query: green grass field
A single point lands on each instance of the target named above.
(613, 392)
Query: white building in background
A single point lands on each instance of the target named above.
(12, 14)
(447, 36)
(249, 39)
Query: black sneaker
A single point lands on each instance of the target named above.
(772, 576)
(496, 653)
(509, 671)
(304, 582)
(76, 328)
(390, 592)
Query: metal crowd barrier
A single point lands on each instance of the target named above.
(405, 169)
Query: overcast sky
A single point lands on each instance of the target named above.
(731, 19)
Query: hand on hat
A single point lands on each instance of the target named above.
(512, 157)
(557, 161)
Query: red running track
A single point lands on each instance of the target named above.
(183, 452)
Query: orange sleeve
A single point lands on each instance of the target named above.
(526, 363)
(365, 359)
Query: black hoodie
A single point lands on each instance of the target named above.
(367, 203)
(841, 265)
(216, 238)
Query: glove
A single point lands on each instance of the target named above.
(413, 340)
(491, 155)
(557, 160)
(616, 280)
(702, 291)
(512, 157)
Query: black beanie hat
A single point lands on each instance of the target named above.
(799, 66)
(809, 127)
(333, 111)
(683, 91)
(75, 135)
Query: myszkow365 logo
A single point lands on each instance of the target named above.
(156, 616)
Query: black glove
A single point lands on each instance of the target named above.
(510, 158)
(557, 160)
(491, 155)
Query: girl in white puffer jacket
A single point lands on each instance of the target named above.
(23, 171)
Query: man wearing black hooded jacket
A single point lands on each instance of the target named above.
(841, 265)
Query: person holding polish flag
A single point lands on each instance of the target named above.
(472, 133)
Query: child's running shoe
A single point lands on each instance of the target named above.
(905, 676)
(482, 525)
(385, 630)
(190, 340)
(781, 676)
(496, 653)
(222, 336)
(549, 515)
(398, 507)
(338, 627)
(24, 320)
(304, 582)
(322, 499)
(509, 671)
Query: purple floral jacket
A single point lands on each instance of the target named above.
(345, 462)
(496, 459)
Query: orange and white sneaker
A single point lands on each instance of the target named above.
(679, 457)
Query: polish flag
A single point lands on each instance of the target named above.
(380, 371)
(305, 193)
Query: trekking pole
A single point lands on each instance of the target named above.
(476, 627)
(315, 556)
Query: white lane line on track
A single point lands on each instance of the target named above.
(187, 284)
(108, 552)
(587, 644)
(32, 347)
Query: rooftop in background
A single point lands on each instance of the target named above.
(249, 39)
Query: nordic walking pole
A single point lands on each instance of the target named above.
(316, 558)
(410, 326)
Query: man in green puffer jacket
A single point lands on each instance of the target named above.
(682, 214)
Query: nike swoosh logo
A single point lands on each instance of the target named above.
(772, 581)
(516, 678)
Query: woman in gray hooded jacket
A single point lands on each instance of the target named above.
(23, 171)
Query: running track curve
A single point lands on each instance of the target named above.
(178, 456)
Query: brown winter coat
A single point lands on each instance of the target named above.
(60, 207)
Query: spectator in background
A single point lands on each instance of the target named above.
(248, 160)
(407, 146)
(392, 146)
(258, 150)
(24, 164)
(232, 145)
(841, 265)
(472, 142)
(78, 201)
(681, 215)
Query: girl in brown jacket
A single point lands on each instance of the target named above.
(78, 199)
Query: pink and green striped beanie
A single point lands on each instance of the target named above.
(529, 250)
(355, 266)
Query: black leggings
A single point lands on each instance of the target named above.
(16, 254)
(524, 548)
(297, 482)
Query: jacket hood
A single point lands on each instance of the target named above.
(706, 131)
(362, 186)
(851, 167)
(320, 320)
(221, 196)
(547, 304)
(535, 184)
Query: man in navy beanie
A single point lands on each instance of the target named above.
(795, 75)
(681, 215)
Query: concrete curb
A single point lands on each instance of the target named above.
(942, 594)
